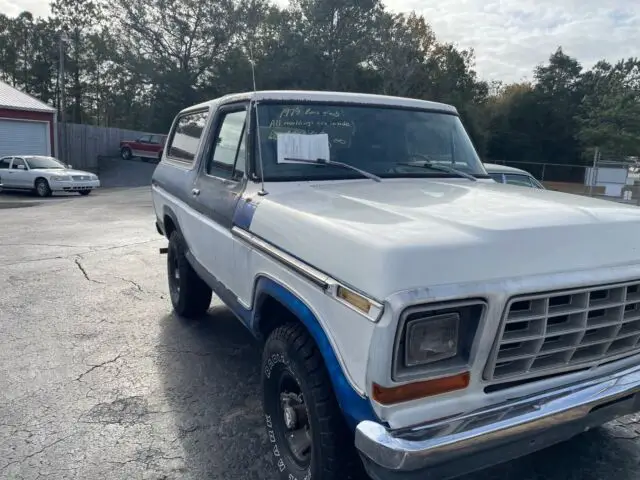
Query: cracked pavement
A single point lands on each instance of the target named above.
(98, 380)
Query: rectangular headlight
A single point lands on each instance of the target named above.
(436, 339)
(432, 339)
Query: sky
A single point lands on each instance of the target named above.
(510, 37)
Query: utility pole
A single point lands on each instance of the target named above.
(62, 125)
(593, 178)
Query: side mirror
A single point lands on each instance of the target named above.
(21, 167)
(69, 166)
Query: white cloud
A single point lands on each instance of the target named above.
(510, 37)
(39, 8)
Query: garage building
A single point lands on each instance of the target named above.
(27, 125)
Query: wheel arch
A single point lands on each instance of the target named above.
(40, 177)
(170, 221)
(271, 299)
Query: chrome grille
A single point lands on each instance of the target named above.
(564, 330)
(80, 177)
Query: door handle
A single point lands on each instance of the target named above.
(195, 192)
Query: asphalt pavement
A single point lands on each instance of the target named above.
(99, 380)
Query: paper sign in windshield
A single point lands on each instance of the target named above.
(302, 146)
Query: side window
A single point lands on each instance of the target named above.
(229, 153)
(4, 163)
(183, 144)
(17, 162)
(521, 180)
(155, 139)
(145, 139)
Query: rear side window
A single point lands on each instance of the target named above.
(186, 135)
(4, 163)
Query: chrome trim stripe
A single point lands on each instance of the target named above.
(394, 451)
(308, 272)
(312, 274)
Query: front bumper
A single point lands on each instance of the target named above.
(500, 433)
(74, 186)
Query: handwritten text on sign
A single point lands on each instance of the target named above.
(304, 147)
(312, 120)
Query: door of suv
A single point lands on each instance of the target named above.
(218, 186)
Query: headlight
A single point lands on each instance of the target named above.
(431, 339)
(436, 339)
(61, 178)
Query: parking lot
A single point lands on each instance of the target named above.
(98, 380)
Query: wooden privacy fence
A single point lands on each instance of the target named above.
(81, 145)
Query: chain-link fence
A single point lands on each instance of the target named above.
(608, 176)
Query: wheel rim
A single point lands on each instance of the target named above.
(42, 188)
(295, 428)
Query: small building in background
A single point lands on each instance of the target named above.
(27, 125)
(612, 176)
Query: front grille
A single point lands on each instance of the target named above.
(544, 333)
(80, 177)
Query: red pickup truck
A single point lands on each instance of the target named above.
(147, 147)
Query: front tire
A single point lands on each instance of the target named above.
(125, 153)
(84, 193)
(190, 295)
(42, 188)
(305, 427)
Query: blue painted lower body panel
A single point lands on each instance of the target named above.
(354, 407)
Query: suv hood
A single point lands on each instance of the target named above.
(400, 234)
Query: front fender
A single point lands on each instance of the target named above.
(354, 407)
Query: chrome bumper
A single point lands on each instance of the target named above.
(580, 406)
(74, 186)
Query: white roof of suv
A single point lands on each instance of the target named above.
(318, 96)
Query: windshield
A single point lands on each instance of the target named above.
(372, 138)
(43, 162)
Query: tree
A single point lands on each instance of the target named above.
(403, 47)
(609, 113)
(77, 19)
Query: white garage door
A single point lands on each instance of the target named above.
(24, 138)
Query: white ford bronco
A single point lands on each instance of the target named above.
(419, 319)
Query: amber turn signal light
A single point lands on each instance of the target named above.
(413, 391)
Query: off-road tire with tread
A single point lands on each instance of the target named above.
(192, 298)
(333, 454)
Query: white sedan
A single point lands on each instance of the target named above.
(44, 175)
(512, 175)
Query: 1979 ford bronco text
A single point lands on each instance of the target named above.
(419, 319)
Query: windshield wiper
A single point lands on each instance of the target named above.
(322, 161)
(442, 168)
